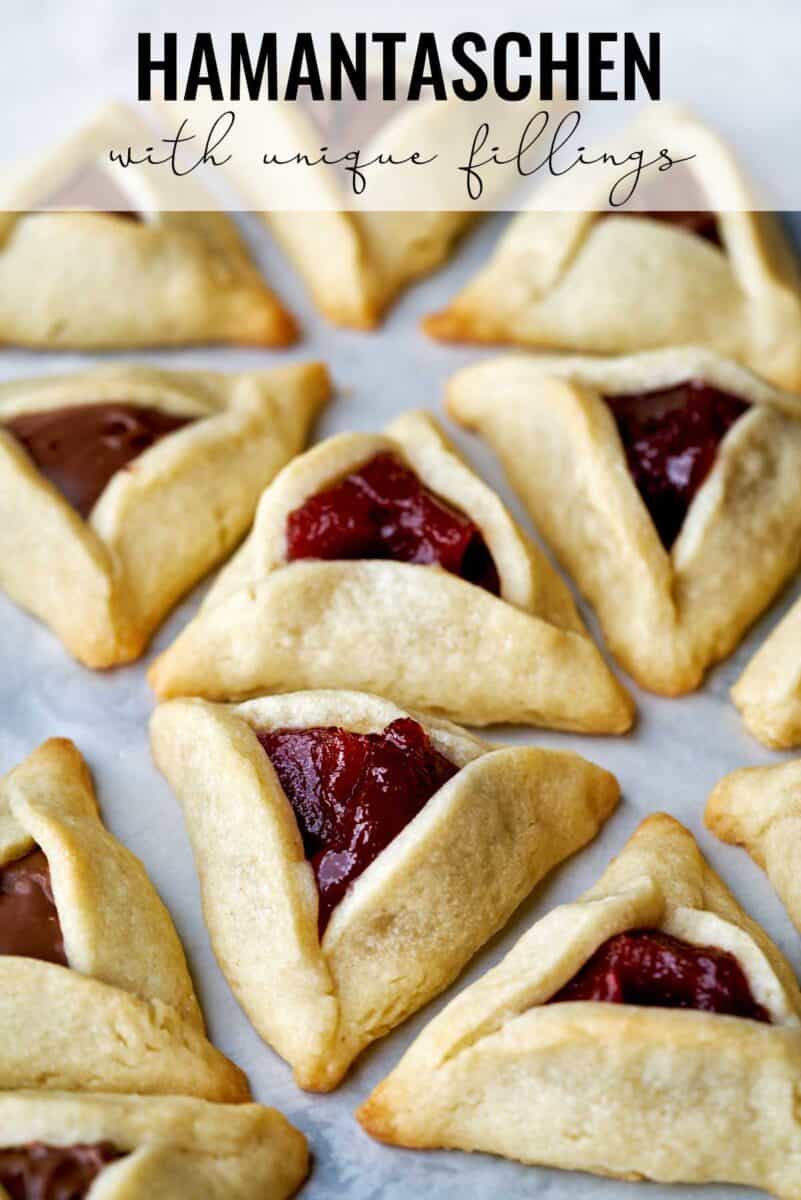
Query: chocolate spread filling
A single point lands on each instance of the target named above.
(29, 924)
(40, 1172)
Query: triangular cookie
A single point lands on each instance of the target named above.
(170, 1147)
(494, 636)
(121, 487)
(402, 839)
(148, 276)
(639, 1084)
(355, 263)
(596, 283)
(768, 693)
(666, 483)
(95, 994)
(760, 808)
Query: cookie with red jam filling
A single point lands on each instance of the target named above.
(650, 1030)
(383, 563)
(354, 856)
(643, 276)
(667, 485)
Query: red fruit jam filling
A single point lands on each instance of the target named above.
(40, 1172)
(29, 924)
(654, 970)
(79, 448)
(352, 793)
(702, 224)
(384, 511)
(671, 438)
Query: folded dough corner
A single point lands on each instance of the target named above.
(616, 1029)
(95, 993)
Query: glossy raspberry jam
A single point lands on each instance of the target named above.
(702, 224)
(654, 970)
(352, 793)
(41, 1172)
(384, 511)
(671, 438)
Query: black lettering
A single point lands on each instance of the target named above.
(389, 43)
(304, 70)
(635, 63)
(241, 65)
(203, 70)
(168, 65)
(501, 66)
(598, 64)
(569, 64)
(462, 59)
(427, 69)
(342, 63)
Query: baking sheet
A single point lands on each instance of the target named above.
(678, 751)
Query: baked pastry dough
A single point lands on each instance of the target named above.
(120, 1014)
(104, 584)
(105, 280)
(613, 1088)
(355, 264)
(420, 635)
(768, 693)
(760, 808)
(171, 1147)
(668, 614)
(594, 283)
(419, 911)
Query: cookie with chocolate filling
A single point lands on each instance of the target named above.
(65, 1146)
(121, 487)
